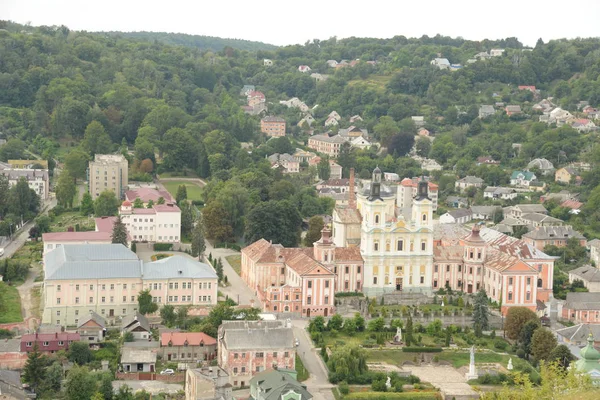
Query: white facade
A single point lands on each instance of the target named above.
(161, 223)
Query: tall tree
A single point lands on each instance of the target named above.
(138, 203)
(198, 241)
(562, 355)
(65, 190)
(86, 207)
(76, 162)
(527, 334)
(23, 201)
(168, 316)
(480, 310)
(34, 372)
(181, 194)
(96, 140)
(542, 344)
(54, 376)
(187, 218)
(400, 144)
(324, 169)
(119, 232)
(106, 204)
(80, 353)
(516, 318)
(145, 303)
(106, 388)
(80, 384)
(274, 220)
(315, 225)
(216, 222)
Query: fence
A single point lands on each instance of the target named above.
(150, 376)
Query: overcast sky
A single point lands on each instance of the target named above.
(284, 22)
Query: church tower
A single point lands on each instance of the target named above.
(473, 259)
(324, 248)
(422, 207)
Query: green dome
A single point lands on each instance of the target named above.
(589, 352)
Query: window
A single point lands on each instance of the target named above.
(400, 245)
(243, 370)
(243, 355)
(112, 299)
(309, 284)
(435, 283)
(447, 268)
(539, 282)
(274, 354)
(103, 287)
(509, 295)
(125, 286)
(528, 296)
(423, 246)
(58, 288)
(76, 287)
(61, 343)
(176, 285)
(260, 355)
(76, 300)
(112, 286)
(176, 298)
(358, 269)
(326, 300)
(308, 300)
(347, 269)
(58, 300)
(510, 281)
(235, 370)
(282, 270)
(58, 313)
(28, 344)
(235, 356)
(376, 218)
(422, 279)
(326, 284)
(376, 246)
(374, 280)
(102, 311)
(529, 280)
(435, 268)
(91, 287)
(76, 312)
(45, 343)
(170, 285)
(170, 298)
(103, 299)
(286, 354)
(91, 299)
(132, 298)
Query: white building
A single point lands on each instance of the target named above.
(161, 223)
(37, 179)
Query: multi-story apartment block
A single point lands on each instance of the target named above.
(559, 236)
(301, 280)
(325, 144)
(108, 172)
(287, 163)
(273, 126)
(161, 223)
(107, 278)
(37, 179)
(407, 191)
(187, 347)
(247, 348)
(48, 342)
(207, 383)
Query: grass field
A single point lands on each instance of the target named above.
(194, 192)
(10, 310)
(301, 370)
(236, 263)
(71, 219)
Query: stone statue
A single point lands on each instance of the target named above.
(398, 337)
(509, 366)
(442, 303)
(388, 383)
(472, 374)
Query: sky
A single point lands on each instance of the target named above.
(283, 22)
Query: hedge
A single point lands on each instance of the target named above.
(224, 245)
(422, 349)
(392, 395)
(349, 294)
(163, 246)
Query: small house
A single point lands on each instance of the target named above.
(137, 360)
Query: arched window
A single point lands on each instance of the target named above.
(540, 282)
(376, 218)
(376, 246)
(424, 217)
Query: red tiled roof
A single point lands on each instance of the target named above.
(347, 254)
(147, 194)
(572, 204)
(105, 224)
(126, 203)
(166, 208)
(92, 236)
(192, 338)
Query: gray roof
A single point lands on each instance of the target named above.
(264, 335)
(281, 157)
(486, 108)
(92, 316)
(489, 210)
(275, 384)
(512, 222)
(132, 356)
(92, 261)
(531, 208)
(134, 320)
(29, 174)
(583, 301)
(594, 243)
(579, 333)
(461, 212)
(471, 179)
(537, 217)
(177, 267)
(540, 163)
(329, 139)
(553, 232)
(502, 228)
(10, 346)
(587, 273)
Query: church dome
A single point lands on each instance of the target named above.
(126, 203)
(589, 353)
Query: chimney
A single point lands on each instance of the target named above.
(352, 198)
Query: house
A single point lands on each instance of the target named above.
(307, 119)
(594, 248)
(522, 178)
(582, 308)
(319, 77)
(304, 68)
(272, 345)
(544, 106)
(28, 164)
(460, 216)
(48, 342)
(187, 347)
(353, 132)
(583, 125)
(529, 88)
(418, 120)
(561, 196)
(499, 193)
(457, 202)
(38, 180)
(423, 132)
(278, 385)
(92, 328)
(137, 360)
(288, 163)
(335, 170)
(558, 236)
(267, 62)
(484, 55)
(441, 63)
(534, 220)
(557, 116)
(566, 175)
(108, 172)
(589, 275)
(545, 166)
(355, 118)
(303, 156)
(496, 52)
(430, 165)
(360, 143)
(487, 213)
(331, 121)
(577, 335)
(519, 210)
(256, 98)
(486, 111)
(573, 205)
(255, 109)
(325, 144)
(207, 383)
(147, 194)
(138, 325)
(160, 223)
(273, 126)
(512, 110)
(332, 63)
(468, 181)
(247, 89)
(295, 102)
(487, 160)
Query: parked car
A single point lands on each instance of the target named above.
(297, 342)
(167, 371)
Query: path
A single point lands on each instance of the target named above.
(196, 181)
(446, 378)
(26, 295)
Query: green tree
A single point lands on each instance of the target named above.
(76, 162)
(65, 190)
(400, 144)
(145, 303)
(106, 204)
(526, 334)
(80, 384)
(216, 222)
(335, 322)
(150, 204)
(161, 200)
(34, 372)
(181, 194)
(516, 318)
(138, 203)
(198, 241)
(423, 146)
(86, 207)
(324, 169)
(315, 226)
(96, 140)
(408, 335)
(359, 321)
(106, 388)
(187, 218)
(80, 353)
(277, 221)
(168, 316)
(348, 362)
(119, 232)
(317, 324)
(350, 326)
(13, 149)
(480, 310)
(385, 130)
(542, 344)
(562, 355)
(53, 380)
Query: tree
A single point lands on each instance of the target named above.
(106, 204)
(385, 129)
(401, 144)
(13, 149)
(274, 220)
(96, 140)
(480, 310)
(216, 222)
(324, 169)
(119, 232)
(65, 190)
(80, 353)
(138, 203)
(317, 324)
(562, 355)
(34, 372)
(80, 384)
(526, 334)
(516, 318)
(335, 322)
(168, 316)
(146, 166)
(359, 321)
(145, 303)
(219, 269)
(161, 200)
(76, 162)
(181, 194)
(86, 207)
(315, 226)
(43, 223)
(54, 376)
(542, 344)
(106, 388)
(187, 218)
(350, 326)
(408, 335)
(198, 241)
(423, 146)
(150, 204)
(348, 362)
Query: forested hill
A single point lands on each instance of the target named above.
(195, 41)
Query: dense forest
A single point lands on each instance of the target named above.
(65, 92)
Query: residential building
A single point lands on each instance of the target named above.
(486, 213)
(106, 279)
(92, 328)
(271, 345)
(325, 144)
(295, 102)
(207, 383)
(577, 335)
(304, 156)
(545, 166)
(430, 165)
(37, 179)
(331, 121)
(187, 347)
(566, 175)
(528, 88)
(361, 143)
(583, 125)
(408, 188)
(147, 194)
(247, 89)
(512, 110)
(136, 324)
(256, 98)
(486, 110)
(355, 118)
(48, 342)
(518, 211)
(418, 120)
(353, 132)
(499, 193)
(137, 360)
(273, 126)
(335, 170)
(307, 120)
(457, 202)
(459, 216)
(468, 181)
(304, 68)
(557, 236)
(343, 184)
(267, 62)
(319, 77)
(594, 247)
(487, 160)
(522, 178)
(278, 385)
(108, 172)
(423, 132)
(582, 308)
(496, 52)
(28, 164)
(287, 163)
(161, 223)
(534, 220)
(441, 63)
(589, 275)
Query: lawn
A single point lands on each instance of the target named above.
(194, 192)
(236, 263)
(72, 219)
(10, 304)
(301, 370)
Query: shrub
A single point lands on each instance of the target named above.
(344, 388)
(392, 395)
(421, 349)
(500, 344)
(379, 386)
(224, 245)
(159, 256)
(5, 334)
(521, 353)
(349, 294)
(198, 202)
(128, 337)
(163, 246)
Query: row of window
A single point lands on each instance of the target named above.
(399, 245)
(46, 344)
(175, 299)
(260, 354)
(102, 299)
(101, 312)
(435, 269)
(309, 284)
(387, 280)
(102, 287)
(189, 356)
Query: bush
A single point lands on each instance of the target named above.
(521, 353)
(379, 386)
(500, 344)
(198, 202)
(163, 246)
(128, 337)
(392, 395)
(5, 334)
(349, 294)
(159, 256)
(224, 245)
(344, 388)
(421, 349)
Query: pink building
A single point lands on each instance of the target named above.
(301, 280)
(48, 342)
(325, 144)
(247, 348)
(146, 194)
(582, 308)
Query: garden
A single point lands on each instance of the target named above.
(10, 304)
(194, 192)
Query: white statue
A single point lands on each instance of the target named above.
(472, 374)
(442, 303)
(509, 366)
(398, 337)
(388, 383)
